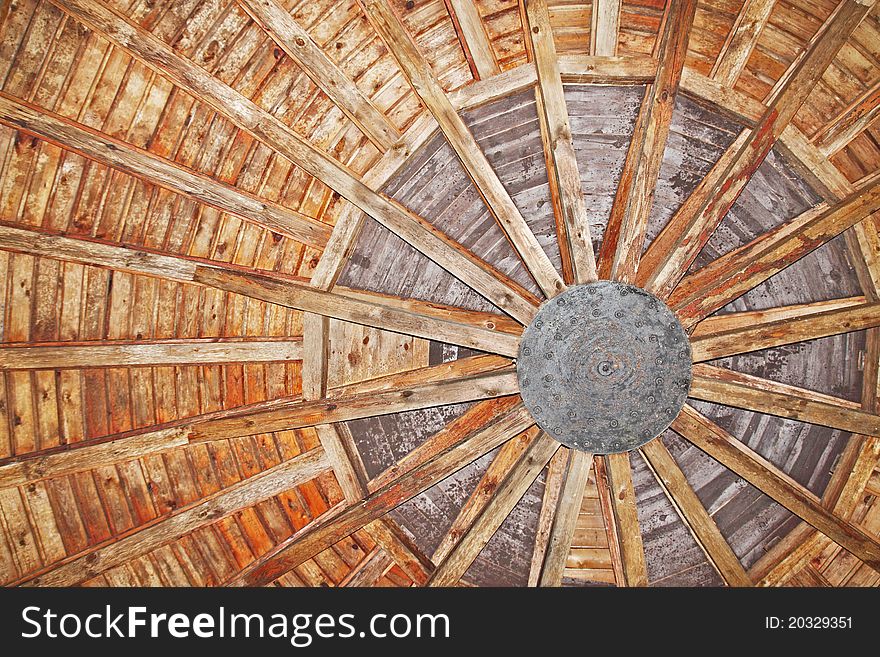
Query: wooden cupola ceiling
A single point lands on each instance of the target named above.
(402, 292)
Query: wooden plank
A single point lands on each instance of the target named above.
(587, 69)
(573, 225)
(852, 121)
(715, 324)
(340, 522)
(296, 42)
(735, 273)
(579, 464)
(605, 27)
(506, 496)
(627, 228)
(553, 483)
(95, 560)
(762, 474)
(368, 571)
(265, 127)
(676, 247)
(741, 41)
(609, 519)
(504, 462)
(694, 514)
(499, 203)
(351, 479)
(78, 355)
(401, 549)
(360, 311)
(623, 499)
(474, 39)
(721, 386)
(787, 331)
(119, 155)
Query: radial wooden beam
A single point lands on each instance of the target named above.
(274, 19)
(729, 388)
(505, 497)
(474, 40)
(371, 568)
(373, 314)
(732, 275)
(572, 221)
(605, 27)
(82, 566)
(119, 155)
(553, 483)
(499, 203)
(786, 331)
(245, 114)
(716, 324)
(108, 450)
(682, 495)
(455, 454)
(565, 522)
(741, 41)
(673, 251)
(625, 235)
(609, 519)
(499, 469)
(623, 499)
(762, 474)
(79, 355)
(850, 123)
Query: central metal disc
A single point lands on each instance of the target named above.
(604, 367)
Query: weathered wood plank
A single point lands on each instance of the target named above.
(572, 221)
(159, 171)
(553, 483)
(625, 235)
(786, 331)
(685, 500)
(78, 355)
(715, 324)
(741, 40)
(762, 474)
(368, 571)
(721, 386)
(474, 39)
(509, 491)
(623, 499)
(605, 27)
(87, 564)
(298, 44)
(857, 117)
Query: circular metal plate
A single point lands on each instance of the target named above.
(604, 367)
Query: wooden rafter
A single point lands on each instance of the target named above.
(715, 285)
(499, 203)
(93, 561)
(623, 500)
(245, 114)
(693, 513)
(401, 549)
(355, 310)
(553, 483)
(572, 221)
(107, 450)
(625, 235)
(369, 570)
(741, 40)
(474, 40)
(112, 152)
(722, 386)
(849, 123)
(762, 474)
(508, 493)
(298, 44)
(786, 331)
(605, 27)
(121, 353)
(565, 520)
(676, 247)
(464, 448)
(609, 519)
(621, 70)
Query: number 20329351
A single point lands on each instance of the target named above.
(808, 622)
